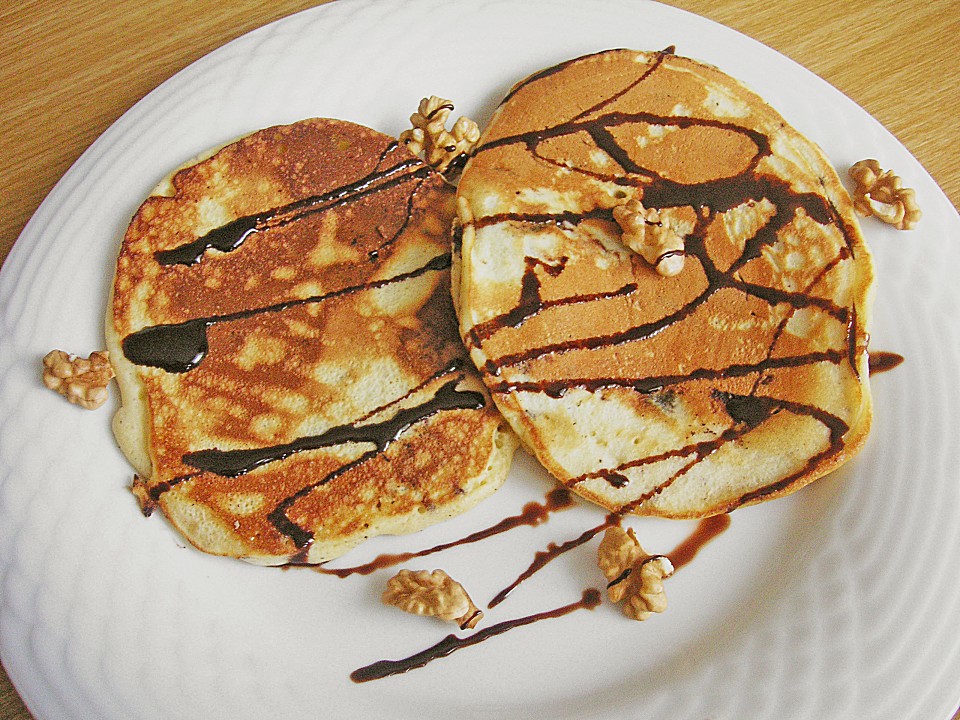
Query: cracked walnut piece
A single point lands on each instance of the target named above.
(432, 593)
(881, 194)
(633, 576)
(430, 136)
(656, 235)
(82, 381)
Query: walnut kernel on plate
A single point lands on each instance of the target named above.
(81, 381)
(422, 592)
(881, 194)
(634, 577)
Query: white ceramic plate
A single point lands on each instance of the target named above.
(841, 601)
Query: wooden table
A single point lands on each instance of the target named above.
(69, 69)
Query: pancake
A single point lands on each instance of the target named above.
(738, 379)
(292, 377)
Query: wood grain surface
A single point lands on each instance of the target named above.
(68, 69)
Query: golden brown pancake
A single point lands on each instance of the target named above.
(738, 380)
(292, 376)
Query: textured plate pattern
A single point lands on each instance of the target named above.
(842, 601)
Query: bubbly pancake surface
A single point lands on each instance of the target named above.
(293, 381)
(740, 379)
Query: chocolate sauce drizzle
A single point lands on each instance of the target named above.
(717, 280)
(231, 236)
(381, 434)
(180, 347)
(882, 361)
(531, 515)
(553, 551)
(747, 412)
(451, 643)
(531, 303)
(547, 72)
(706, 530)
(656, 383)
(694, 453)
(233, 463)
(710, 199)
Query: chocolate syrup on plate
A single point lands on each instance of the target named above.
(881, 362)
(553, 551)
(452, 643)
(706, 530)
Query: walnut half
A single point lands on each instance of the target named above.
(633, 576)
(422, 592)
(81, 381)
(656, 235)
(881, 194)
(430, 136)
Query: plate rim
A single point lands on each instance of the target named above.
(55, 201)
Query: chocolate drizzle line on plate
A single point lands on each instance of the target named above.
(452, 643)
(706, 530)
(231, 236)
(553, 551)
(882, 361)
(531, 515)
(710, 199)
